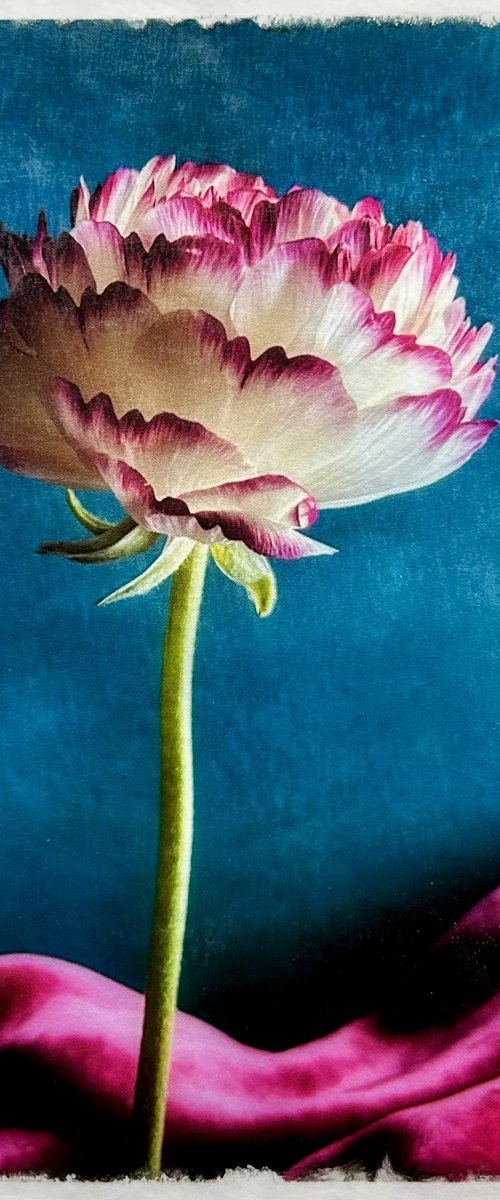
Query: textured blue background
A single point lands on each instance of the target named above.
(347, 750)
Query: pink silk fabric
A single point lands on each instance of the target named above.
(429, 1098)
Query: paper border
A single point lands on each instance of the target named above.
(249, 1184)
(264, 12)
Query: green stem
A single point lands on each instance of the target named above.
(174, 862)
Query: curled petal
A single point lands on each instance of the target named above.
(215, 180)
(246, 199)
(359, 237)
(467, 347)
(104, 250)
(172, 556)
(247, 520)
(126, 194)
(251, 571)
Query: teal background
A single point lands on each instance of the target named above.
(347, 749)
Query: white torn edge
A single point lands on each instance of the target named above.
(254, 1185)
(263, 12)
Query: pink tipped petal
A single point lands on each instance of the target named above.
(412, 235)
(289, 412)
(285, 298)
(306, 212)
(215, 181)
(399, 366)
(186, 216)
(302, 213)
(454, 319)
(80, 203)
(57, 260)
(245, 200)
(402, 446)
(467, 347)
(285, 295)
(112, 326)
(369, 207)
(426, 285)
(172, 454)
(149, 187)
(159, 171)
(108, 201)
(360, 237)
(378, 270)
(262, 536)
(126, 195)
(191, 273)
(280, 413)
(181, 362)
(477, 386)
(194, 273)
(279, 293)
(103, 247)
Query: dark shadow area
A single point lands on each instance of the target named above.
(396, 968)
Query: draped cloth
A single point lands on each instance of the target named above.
(427, 1095)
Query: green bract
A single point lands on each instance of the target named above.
(124, 539)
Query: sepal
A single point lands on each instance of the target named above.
(252, 571)
(172, 556)
(122, 540)
(89, 521)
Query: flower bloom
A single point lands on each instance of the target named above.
(229, 361)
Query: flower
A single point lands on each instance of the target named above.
(229, 361)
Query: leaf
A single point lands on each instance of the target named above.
(118, 541)
(82, 514)
(252, 571)
(172, 556)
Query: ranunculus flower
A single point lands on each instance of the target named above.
(229, 361)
